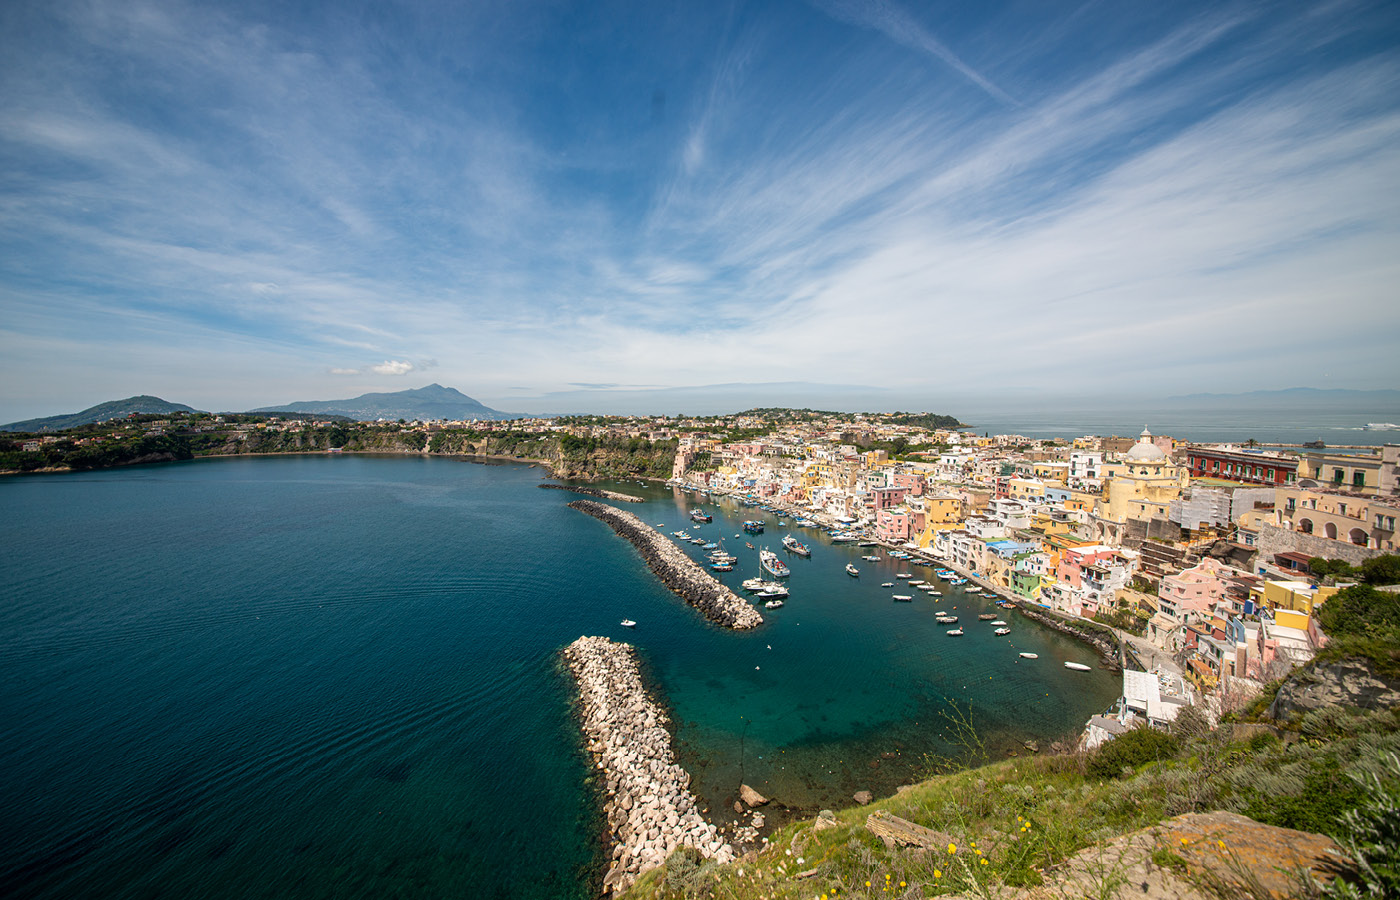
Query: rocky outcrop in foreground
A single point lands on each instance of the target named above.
(1344, 682)
(594, 492)
(676, 570)
(649, 806)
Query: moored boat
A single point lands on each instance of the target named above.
(1078, 667)
(699, 515)
(793, 545)
(904, 598)
(1030, 656)
(771, 564)
(753, 527)
(852, 570)
(773, 604)
(628, 623)
(955, 632)
(987, 617)
(1002, 631)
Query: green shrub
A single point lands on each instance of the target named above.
(1132, 749)
(1370, 834)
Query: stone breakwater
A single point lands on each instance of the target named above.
(595, 492)
(676, 570)
(649, 806)
(1108, 650)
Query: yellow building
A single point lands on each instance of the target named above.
(942, 512)
(1141, 485)
(1295, 596)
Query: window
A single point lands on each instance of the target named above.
(1339, 476)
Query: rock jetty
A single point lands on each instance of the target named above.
(649, 806)
(676, 570)
(1108, 650)
(595, 492)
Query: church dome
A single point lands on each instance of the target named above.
(1144, 450)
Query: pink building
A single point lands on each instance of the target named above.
(1075, 560)
(892, 525)
(887, 497)
(913, 482)
(1191, 595)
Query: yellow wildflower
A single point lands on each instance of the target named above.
(952, 848)
(984, 862)
(937, 874)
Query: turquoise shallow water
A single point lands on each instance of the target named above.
(336, 676)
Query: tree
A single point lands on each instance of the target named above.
(1360, 610)
(1381, 570)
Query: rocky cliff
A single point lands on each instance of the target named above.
(1343, 682)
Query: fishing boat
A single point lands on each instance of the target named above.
(987, 617)
(722, 567)
(793, 545)
(771, 564)
(710, 546)
(773, 604)
(1030, 656)
(753, 527)
(1000, 632)
(698, 541)
(1078, 667)
(852, 570)
(945, 620)
(904, 598)
(699, 515)
(628, 623)
(683, 535)
(955, 632)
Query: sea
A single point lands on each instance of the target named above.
(338, 676)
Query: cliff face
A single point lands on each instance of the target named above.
(1345, 682)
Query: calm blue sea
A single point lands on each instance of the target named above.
(336, 677)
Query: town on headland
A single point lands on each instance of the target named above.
(1247, 593)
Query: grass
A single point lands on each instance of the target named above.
(1012, 821)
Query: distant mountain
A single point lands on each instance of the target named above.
(431, 402)
(112, 409)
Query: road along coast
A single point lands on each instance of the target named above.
(594, 492)
(676, 570)
(648, 804)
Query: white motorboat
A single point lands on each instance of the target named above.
(888, 584)
(628, 623)
(753, 584)
(974, 590)
(998, 622)
(1030, 656)
(771, 564)
(901, 575)
(904, 598)
(773, 604)
(955, 632)
(1001, 632)
(1078, 667)
(852, 570)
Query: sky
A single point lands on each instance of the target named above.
(551, 204)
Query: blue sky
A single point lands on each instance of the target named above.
(238, 205)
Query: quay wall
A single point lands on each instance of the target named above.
(594, 492)
(676, 570)
(649, 807)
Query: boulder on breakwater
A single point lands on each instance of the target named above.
(594, 492)
(648, 803)
(676, 570)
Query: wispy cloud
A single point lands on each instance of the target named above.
(1167, 197)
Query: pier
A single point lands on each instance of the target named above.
(594, 492)
(677, 571)
(649, 807)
